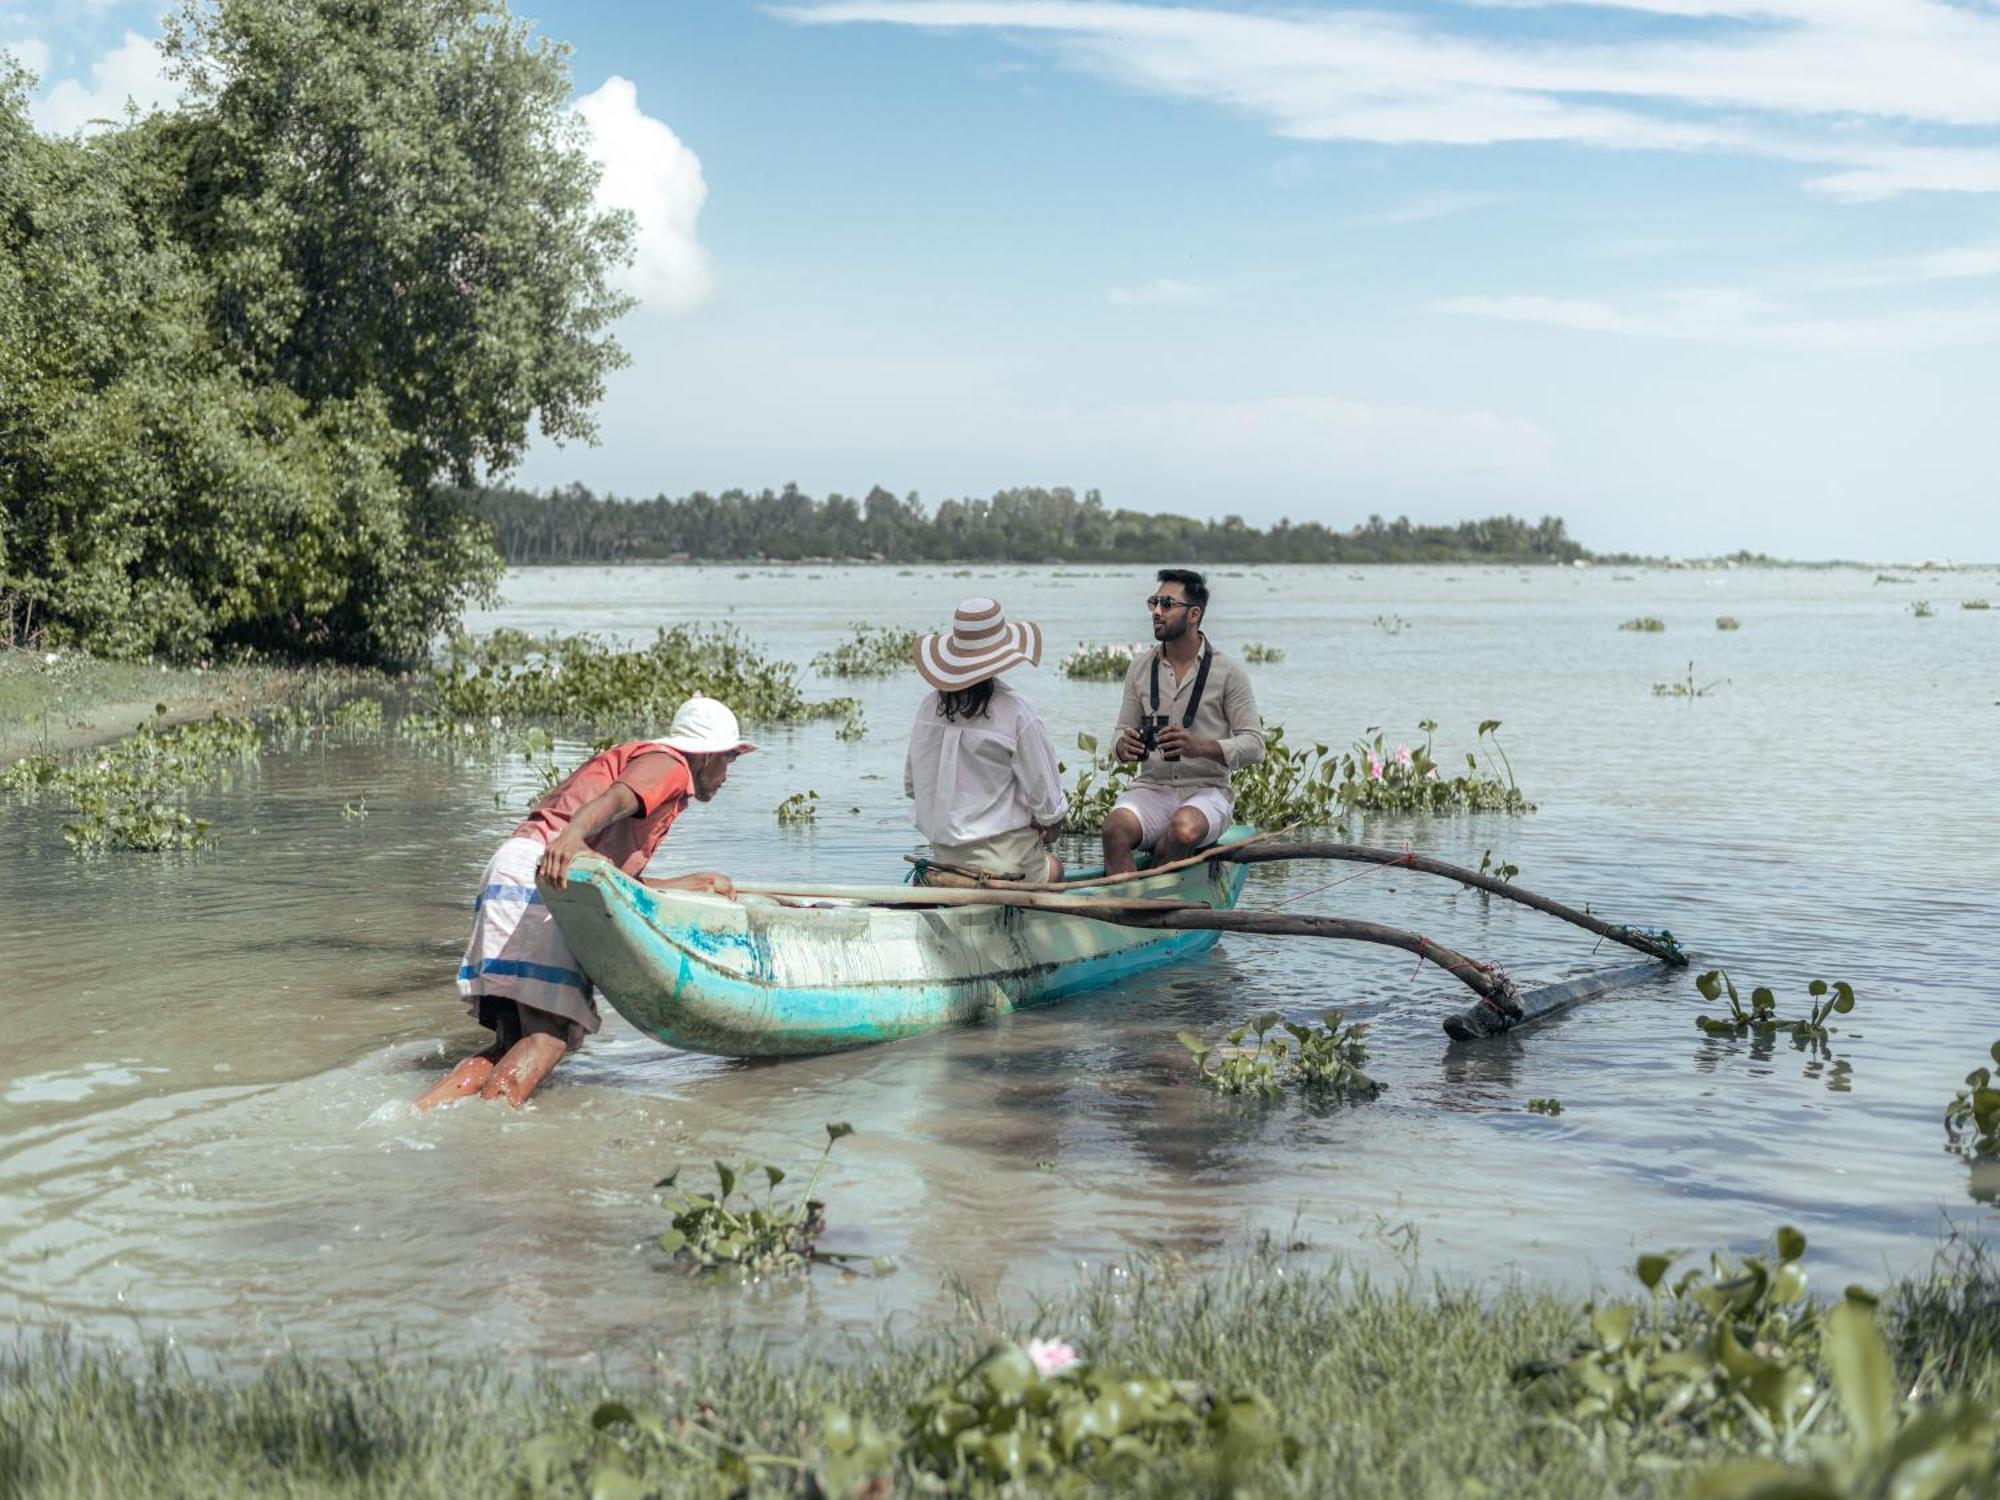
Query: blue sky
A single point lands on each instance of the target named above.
(1694, 274)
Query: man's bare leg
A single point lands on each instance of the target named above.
(470, 1076)
(1186, 832)
(1121, 837)
(521, 1071)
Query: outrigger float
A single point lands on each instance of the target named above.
(792, 971)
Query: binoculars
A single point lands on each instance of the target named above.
(1150, 726)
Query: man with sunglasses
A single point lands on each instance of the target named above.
(1188, 719)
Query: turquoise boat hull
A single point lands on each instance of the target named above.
(757, 977)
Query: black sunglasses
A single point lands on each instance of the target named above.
(1162, 602)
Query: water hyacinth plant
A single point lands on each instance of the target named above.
(1687, 688)
(730, 1234)
(1760, 1016)
(1972, 1119)
(1728, 622)
(1325, 1058)
(1974, 604)
(1259, 654)
(1645, 624)
(1318, 788)
(1101, 663)
(1922, 609)
(582, 682)
(1721, 1355)
(872, 651)
(132, 794)
(800, 807)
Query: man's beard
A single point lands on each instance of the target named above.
(1171, 630)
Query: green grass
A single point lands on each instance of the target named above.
(65, 701)
(1387, 1391)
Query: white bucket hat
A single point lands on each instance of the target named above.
(703, 726)
(981, 644)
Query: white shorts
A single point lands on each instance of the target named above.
(1154, 805)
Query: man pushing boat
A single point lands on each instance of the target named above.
(519, 978)
(1188, 719)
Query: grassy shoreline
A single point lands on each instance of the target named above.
(1373, 1389)
(57, 700)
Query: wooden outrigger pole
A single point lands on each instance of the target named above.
(1502, 1005)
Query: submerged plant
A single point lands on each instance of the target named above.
(730, 1233)
(1326, 1057)
(1972, 1119)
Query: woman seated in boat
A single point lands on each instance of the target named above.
(981, 771)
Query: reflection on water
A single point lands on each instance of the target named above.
(207, 1058)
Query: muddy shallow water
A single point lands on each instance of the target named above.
(206, 1057)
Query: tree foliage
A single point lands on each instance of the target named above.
(251, 348)
(1019, 525)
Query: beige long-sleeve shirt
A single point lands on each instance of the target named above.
(1228, 714)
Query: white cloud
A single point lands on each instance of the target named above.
(650, 172)
(1425, 207)
(1162, 291)
(1730, 315)
(1832, 83)
(134, 70)
(29, 53)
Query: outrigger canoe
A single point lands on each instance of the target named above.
(820, 969)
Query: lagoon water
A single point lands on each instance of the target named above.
(206, 1058)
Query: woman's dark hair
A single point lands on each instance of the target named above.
(1195, 585)
(966, 702)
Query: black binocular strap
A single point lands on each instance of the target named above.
(1200, 682)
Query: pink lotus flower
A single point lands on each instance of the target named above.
(1051, 1356)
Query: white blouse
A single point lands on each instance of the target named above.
(974, 778)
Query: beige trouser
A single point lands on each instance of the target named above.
(1017, 854)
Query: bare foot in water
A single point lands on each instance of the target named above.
(462, 1082)
(522, 1070)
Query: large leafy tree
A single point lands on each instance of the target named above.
(251, 351)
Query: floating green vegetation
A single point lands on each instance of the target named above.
(1325, 1059)
(1545, 1106)
(1974, 604)
(1391, 624)
(359, 716)
(1972, 1119)
(872, 651)
(1259, 654)
(1760, 1016)
(132, 794)
(1921, 609)
(1646, 624)
(1892, 578)
(730, 1234)
(800, 807)
(1317, 788)
(1100, 663)
(1502, 871)
(1728, 622)
(583, 682)
(1687, 687)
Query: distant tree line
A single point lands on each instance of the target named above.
(572, 525)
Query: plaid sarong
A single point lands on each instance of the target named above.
(516, 951)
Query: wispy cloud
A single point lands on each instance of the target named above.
(1880, 96)
(1728, 315)
(1162, 291)
(1425, 207)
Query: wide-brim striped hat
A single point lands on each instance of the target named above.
(981, 644)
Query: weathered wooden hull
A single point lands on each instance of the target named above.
(756, 978)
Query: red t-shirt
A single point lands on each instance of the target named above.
(657, 776)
